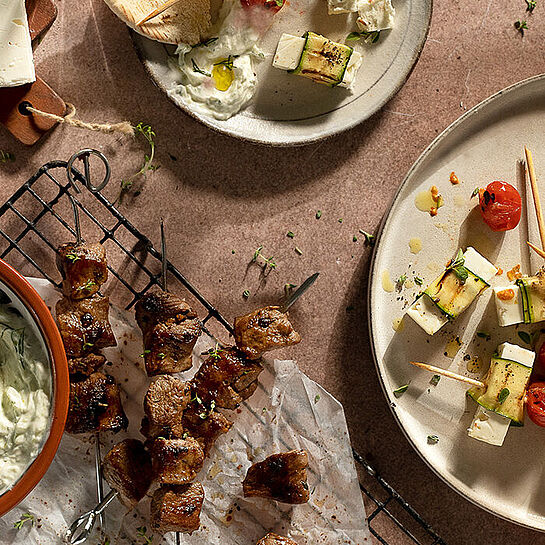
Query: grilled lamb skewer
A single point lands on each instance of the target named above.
(275, 539)
(95, 405)
(164, 405)
(127, 469)
(177, 508)
(175, 461)
(84, 325)
(263, 330)
(83, 268)
(85, 365)
(226, 378)
(281, 477)
(170, 329)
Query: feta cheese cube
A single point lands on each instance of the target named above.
(375, 15)
(489, 427)
(479, 265)
(16, 59)
(427, 315)
(509, 305)
(516, 353)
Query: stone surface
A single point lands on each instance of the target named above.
(220, 195)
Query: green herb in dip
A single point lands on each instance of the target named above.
(25, 389)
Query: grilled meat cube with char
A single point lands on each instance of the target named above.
(170, 329)
(275, 539)
(205, 425)
(176, 461)
(226, 378)
(263, 330)
(281, 477)
(83, 268)
(164, 405)
(127, 469)
(84, 325)
(177, 508)
(95, 405)
(86, 364)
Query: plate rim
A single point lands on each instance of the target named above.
(474, 110)
(327, 135)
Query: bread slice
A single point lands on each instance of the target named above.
(185, 22)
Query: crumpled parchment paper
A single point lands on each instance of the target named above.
(287, 411)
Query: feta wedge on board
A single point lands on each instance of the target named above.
(289, 51)
(509, 305)
(375, 15)
(16, 59)
(335, 7)
(448, 296)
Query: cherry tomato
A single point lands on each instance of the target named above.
(538, 372)
(535, 403)
(500, 206)
(273, 5)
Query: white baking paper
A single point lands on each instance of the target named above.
(287, 411)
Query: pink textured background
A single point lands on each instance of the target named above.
(221, 195)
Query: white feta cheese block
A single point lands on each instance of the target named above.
(334, 7)
(516, 353)
(427, 315)
(289, 50)
(375, 15)
(479, 265)
(16, 59)
(489, 427)
(509, 305)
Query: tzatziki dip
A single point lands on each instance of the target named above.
(25, 390)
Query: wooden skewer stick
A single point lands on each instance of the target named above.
(535, 195)
(449, 374)
(537, 250)
(157, 11)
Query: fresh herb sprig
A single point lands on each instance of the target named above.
(6, 157)
(268, 263)
(142, 532)
(26, 517)
(200, 70)
(530, 5)
(521, 26)
(228, 62)
(371, 37)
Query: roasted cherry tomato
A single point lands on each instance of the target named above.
(535, 403)
(538, 372)
(273, 5)
(500, 206)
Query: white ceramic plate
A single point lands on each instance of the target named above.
(291, 110)
(485, 144)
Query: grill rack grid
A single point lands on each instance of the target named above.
(413, 530)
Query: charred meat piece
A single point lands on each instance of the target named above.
(164, 405)
(205, 425)
(263, 330)
(176, 461)
(127, 469)
(177, 508)
(226, 378)
(86, 364)
(95, 405)
(83, 268)
(84, 325)
(170, 329)
(275, 539)
(281, 477)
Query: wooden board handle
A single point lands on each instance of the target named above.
(41, 15)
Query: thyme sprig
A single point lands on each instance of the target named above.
(6, 157)
(371, 37)
(26, 517)
(199, 70)
(265, 262)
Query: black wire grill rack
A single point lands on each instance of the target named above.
(39, 215)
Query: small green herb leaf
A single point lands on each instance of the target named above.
(316, 398)
(199, 70)
(246, 294)
(401, 280)
(530, 5)
(369, 238)
(418, 281)
(483, 335)
(434, 381)
(290, 234)
(475, 192)
(26, 517)
(6, 157)
(503, 395)
(398, 392)
(433, 439)
(318, 214)
(525, 337)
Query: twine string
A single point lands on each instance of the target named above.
(123, 127)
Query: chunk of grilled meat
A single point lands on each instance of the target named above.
(226, 378)
(170, 329)
(281, 477)
(127, 469)
(176, 461)
(164, 405)
(263, 330)
(95, 405)
(86, 364)
(275, 539)
(84, 325)
(205, 425)
(177, 508)
(83, 268)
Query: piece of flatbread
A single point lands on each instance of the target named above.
(186, 22)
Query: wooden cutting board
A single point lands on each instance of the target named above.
(30, 128)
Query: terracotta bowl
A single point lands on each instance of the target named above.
(24, 297)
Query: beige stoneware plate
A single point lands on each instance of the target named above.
(291, 110)
(483, 145)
